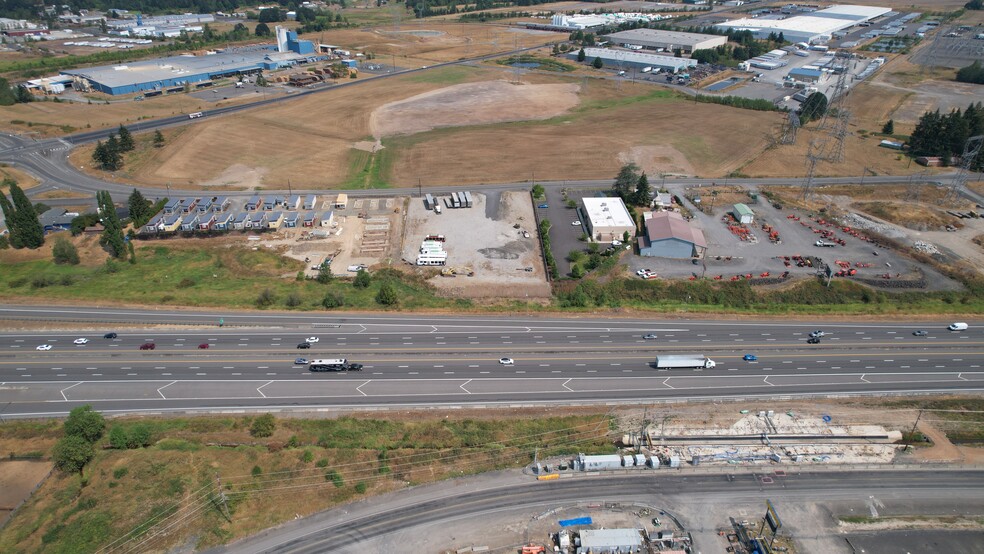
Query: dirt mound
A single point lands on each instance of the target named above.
(472, 104)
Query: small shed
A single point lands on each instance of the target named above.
(743, 214)
(239, 222)
(293, 202)
(290, 220)
(327, 219)
(275, 220)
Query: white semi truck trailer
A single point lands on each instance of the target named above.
(684, 361)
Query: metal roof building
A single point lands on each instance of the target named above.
(610, 540)
(608, 218)
(654, 39)
(668, 235)
(628, 59)
(816, 27)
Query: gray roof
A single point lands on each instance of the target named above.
(657, 35)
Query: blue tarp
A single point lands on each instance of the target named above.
(578, 521)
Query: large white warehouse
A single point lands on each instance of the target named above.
(816, 27)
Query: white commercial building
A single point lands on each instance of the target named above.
(627, 59)
(819, 26)
(608, 218)
(601, 19)
(656, 39)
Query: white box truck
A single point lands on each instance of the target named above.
(673, 361)
(647, 69)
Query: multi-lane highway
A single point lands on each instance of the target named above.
(250, 361)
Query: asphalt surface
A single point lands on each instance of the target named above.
(249, 361)
(357, 527)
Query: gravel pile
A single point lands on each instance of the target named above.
(925, 247)
(860, 222)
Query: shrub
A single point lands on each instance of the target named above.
(186, 283)
(331, 301)
(120, 472)
(42, 281)
(266, 298)
(323, 462)
(361, 487)
(118, 438)
(292, 442)
(307, 457)
(335, 478)
(387, 295)
(263, 426)
(362, 279)
(293, 300)
(257, 471)
(64, 252)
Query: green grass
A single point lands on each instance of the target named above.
(368, 170)
(451, 75)
(546, 64)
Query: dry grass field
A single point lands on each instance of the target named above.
(24, 179)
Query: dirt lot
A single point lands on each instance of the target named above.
(17, 480)
(484, 239)
(472, 104)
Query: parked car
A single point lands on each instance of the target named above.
(304, 345)
(920, 333)
(109, 336)
(312, 339)
(813, 340)
(817, 334)
(44, 347)
(543, 206)
(203, 346)
(576, 223)
(506, 361)
(81, 341)
(300, 361)
(148, 346)
(650, 336)
(750, 358)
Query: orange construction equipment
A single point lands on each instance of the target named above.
(533, 549)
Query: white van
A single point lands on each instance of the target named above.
(957, 327)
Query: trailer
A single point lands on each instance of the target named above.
(673, 361)
(647, 69)
(429, 201)
(455, 200)
(467, 199)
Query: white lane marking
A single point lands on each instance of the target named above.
(235, 374)
(485, 372)
(129, 374)
(359, 388)
(403, 366)
(863, 379)
(164, 387)
(564, 384)
(412, 373)
(160, 367)
(462, 386)
(166, 374)
(449, 373)
(438, 366)
(472, 365)
(258, 389)
(201, 374)
(555, 371)
(194, 367)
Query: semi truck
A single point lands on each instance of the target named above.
(672, 361)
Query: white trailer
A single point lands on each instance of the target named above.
(455, 200)
(467, 199)
(647, 69)
(429, 201)
(673, 361)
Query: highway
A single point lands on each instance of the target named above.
(431, 361)
(362, 527)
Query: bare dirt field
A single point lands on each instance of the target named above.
(472, 104)
(484, 239)
(17, 480)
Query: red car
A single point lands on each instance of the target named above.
(203, 346)
(148, 346)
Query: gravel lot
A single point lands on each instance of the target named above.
(484, 239)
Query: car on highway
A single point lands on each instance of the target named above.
(920, 333)
(303, 345)
(109, 336)
(817, 334)
(576, 223)
(506, 361)
(43, 347)
(81, 341)
(312, 339)
(650, 336)
(813, 340)
(543, 206)
(353, 367)
(750, 358)
(203, 346)
(300, 361)
(148, 346)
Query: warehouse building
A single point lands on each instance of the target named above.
(806, 75)
(668, 235)
(608, 218)
(172, 73)
(666, 41)
(817, 27)
(639, 60)
(613, 541)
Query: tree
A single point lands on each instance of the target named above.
(126, 140)
(118, 438)
(813, 108)
(158, 139)
(262, 29)
(577, 271)
(22, 95)
(973, 73)
(64, 252)
(538, 191)
(72, 453)
(889, 128)
(112, 235)
(25, 219)
(139, 208)
(362, 279)
(643, 195)
(7, 96)
(387, 295)
(263, 426)
(974, 5)
(331, 301)
(597, 63)
(581, 55)
(781, 39)
(139, 436)
(9, 215)
(626, 180)
(100, 155)
(85, 423)
(324, 274)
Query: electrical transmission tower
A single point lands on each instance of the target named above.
(838, 105)
(789, 127)
(972, 149)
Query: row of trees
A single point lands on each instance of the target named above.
(10, 95)
(632, 185)
(109, 155)
(82, 429)
(973, 73)
(21, 217)
(944, 135)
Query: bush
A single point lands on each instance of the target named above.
(257, 471)
(42, 281)
(72, 453)
(387, 295)
(307, 457)
(293, 300)
(120, 472)
(323, 462)
(187, 282)
(118, 438)
(335, 478)
(331, 301)
(362, 279)
(263, 426)
(266, 298)
(64, 252)
(361, 487)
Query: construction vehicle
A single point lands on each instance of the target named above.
(533, 549)
(455, 271)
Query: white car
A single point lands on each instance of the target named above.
(81, 341)
(642, 272)
(506, 361)
(312, 339)
(575, 223)
(44, 347)
(616, 243)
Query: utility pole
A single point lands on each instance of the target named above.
(908, 441)
(420, 189)
(289, 191)
(223, 505)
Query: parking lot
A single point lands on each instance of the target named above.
(564, 236)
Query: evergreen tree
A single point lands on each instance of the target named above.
(7, 95)
(889, 128)
(139, 208)
(626, 180)
(813, 108)
(112, 236)
(26, 219)
(100, 155)
(581, 55)
(158, 139)
(597, 63)
(642, 192)
(126, 139)
(262, 29)
(22, 95)
(9, 215)
(387, 295)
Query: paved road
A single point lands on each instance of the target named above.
(455, 360)
(358, 527)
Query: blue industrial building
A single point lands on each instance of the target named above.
(668, 235)
(164, 74)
